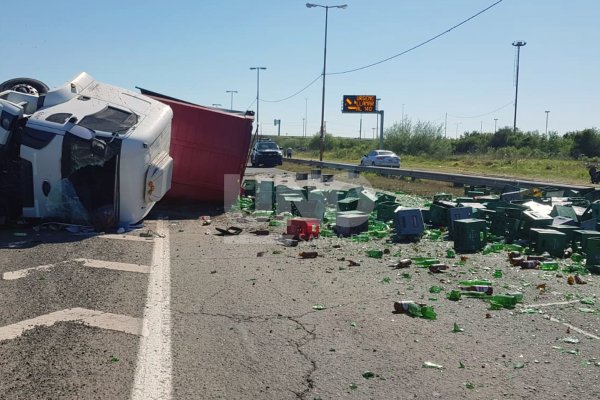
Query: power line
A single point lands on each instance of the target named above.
(418, 45)
(295, 94)
(389, 58)
(483, 115)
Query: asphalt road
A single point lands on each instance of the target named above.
(175, 311)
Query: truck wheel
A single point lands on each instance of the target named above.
(25, 85)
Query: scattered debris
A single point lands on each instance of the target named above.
(261, 232)
(414, 310)
(308, 254)
(375, 253)
(570, 340)
(429, 364)
(437, 268)
(586, 310)
(289, 242)
(232, 230)
(151, 234)
(435, 289)
(404, 263)
(368, 375)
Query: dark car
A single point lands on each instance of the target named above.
(267, 153)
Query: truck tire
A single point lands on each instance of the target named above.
(25, 85)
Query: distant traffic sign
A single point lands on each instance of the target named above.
(359, 104)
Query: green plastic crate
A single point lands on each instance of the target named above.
(385, 210)
(548, 240)
(470, 235)
(580, 238)
(348, 204)
(592, 259)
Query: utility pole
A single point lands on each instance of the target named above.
(518, 45)
(303, 126)
(495, 125)
(377, 111)
(305, 116)
(257, 92)
(547, 112)
(311, 5)
(231, 92)
(446, 125)
(277, 122)
(403, 114)
(360, 127)
(380, 112)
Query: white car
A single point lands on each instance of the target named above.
(381, 158)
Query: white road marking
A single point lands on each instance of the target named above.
(22, 273)
(127, 237)
(562, 303)
(87, 262)
(154, 365)
(576, 329)
(98, 319)
(559, 303)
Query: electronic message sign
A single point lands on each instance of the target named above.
(359, 104)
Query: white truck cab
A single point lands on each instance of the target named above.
(85, 153)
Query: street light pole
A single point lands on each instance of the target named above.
(305, 117)
(322, 134)
(257, 92)
(518, 45)
(232, 92)
(547, 112)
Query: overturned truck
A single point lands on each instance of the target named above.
(85, 153)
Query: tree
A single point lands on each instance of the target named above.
(586, 143)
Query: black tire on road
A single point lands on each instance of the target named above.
(25, 85)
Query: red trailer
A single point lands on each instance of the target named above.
(209, 147)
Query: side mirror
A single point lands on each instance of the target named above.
(98, 147)
(82, 132)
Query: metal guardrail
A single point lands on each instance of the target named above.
(463, 179)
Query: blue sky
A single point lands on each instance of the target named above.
(197, 50)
